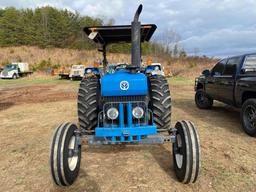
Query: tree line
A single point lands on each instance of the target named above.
(48, 27)
(44, 27)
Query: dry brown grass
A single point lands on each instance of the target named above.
(189, 67)
(35, 55)
(186, 67)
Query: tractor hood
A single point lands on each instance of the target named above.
(124, 83)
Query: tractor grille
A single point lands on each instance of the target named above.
(125, 99)
(125, 110)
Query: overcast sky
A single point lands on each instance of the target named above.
(214, 27)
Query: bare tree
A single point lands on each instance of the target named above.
(110, 22)
(169, 39)
(196, 51)
(175, 51)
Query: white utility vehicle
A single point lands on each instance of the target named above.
(77, 72)
(15, 70)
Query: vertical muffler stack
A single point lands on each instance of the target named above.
(136, 39)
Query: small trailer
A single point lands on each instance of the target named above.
(15, 70)
(64, 75)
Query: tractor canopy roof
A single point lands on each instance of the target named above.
(118, 33)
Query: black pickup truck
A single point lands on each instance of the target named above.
(231, 81)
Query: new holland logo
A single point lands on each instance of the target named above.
(124, 85)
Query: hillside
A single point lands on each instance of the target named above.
(56, 57)
(50, 37)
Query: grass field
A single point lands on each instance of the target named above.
(34, 81)
(31, 108)
(55, 80)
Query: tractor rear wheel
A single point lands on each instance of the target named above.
(160, 101)
(87, 104)
(186, 152)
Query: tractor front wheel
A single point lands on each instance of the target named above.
(65, 155)
(186, 152)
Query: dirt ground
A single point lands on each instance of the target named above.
(29, 114)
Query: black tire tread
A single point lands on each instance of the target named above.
(160, 101)
(189, 171)
(52, 154)
(59, 143)
(87, 104)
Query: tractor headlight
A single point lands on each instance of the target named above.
(112, 113)
(137, 112)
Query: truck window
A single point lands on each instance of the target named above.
(219, 67)
(249, 63)
(232, 65)
(153, 67)
(10, 67)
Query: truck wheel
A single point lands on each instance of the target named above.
(14, 76)
(160, 101)
(64, 160)
(202, 101)
(88, 99)
(248, 117)
(186, 152)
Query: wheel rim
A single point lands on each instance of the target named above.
(250, 117)
(178, 151)
(72, 159)
(201, 98)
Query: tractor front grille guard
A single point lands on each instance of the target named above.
(125, 117)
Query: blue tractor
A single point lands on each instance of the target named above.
(124, 107)
(92, 71)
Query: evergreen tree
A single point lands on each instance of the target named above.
(50, 27)
(11, 28)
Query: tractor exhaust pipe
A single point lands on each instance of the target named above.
(136, 39)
